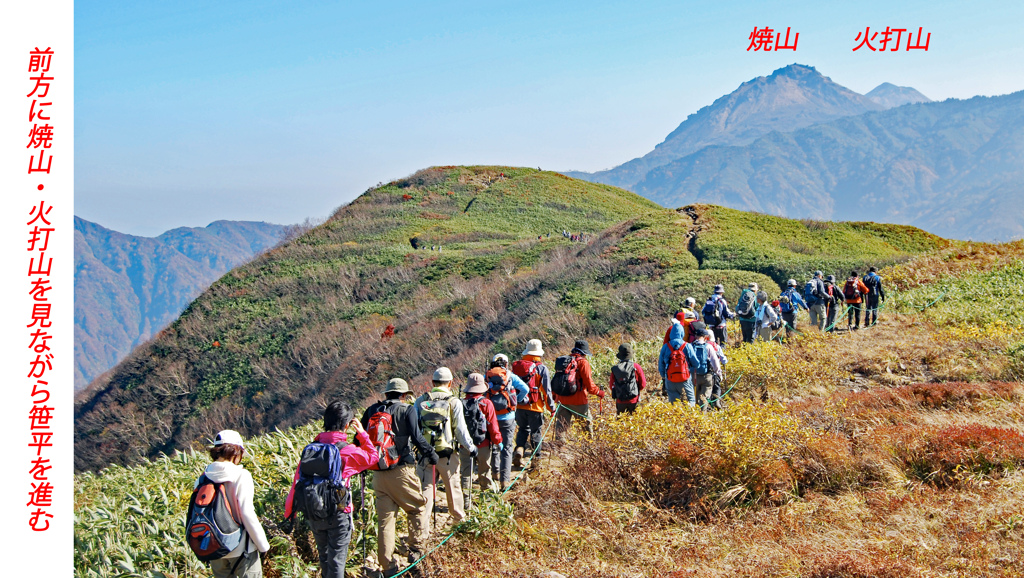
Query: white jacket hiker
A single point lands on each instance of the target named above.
(240, 489)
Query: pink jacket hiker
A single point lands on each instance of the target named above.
(356, 458)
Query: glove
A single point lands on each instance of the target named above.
(501, 446)
(600, 394)
(432, 458)
(472, 453)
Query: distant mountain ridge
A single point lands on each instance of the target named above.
(792, 97)
(129, 287)
(889, 95)
(954, 168)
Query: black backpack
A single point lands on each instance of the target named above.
(320, 491)
(476, 422)
(712, 313)
(625, 387)
(564, 382)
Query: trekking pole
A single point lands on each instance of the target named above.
(433, 508)
(362, 504)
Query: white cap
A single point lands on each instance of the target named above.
(443, 374)
(229, 436)
(500, 357)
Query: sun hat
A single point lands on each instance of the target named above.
(397, 385)
(475, 384)
(581, 346)
(533, 347)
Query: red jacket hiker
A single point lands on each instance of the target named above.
(585, 381)
(641, 383)
(493, 432)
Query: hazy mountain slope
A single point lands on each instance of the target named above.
(792, 97)
(269, 342)
(954, 168)
(889, 95)
(128, 287)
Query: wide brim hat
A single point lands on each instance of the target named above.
(534, 347)
(582, 346)
(625, 352)
(719, 289)
(475, 384)
(697, 326)
(397, 385)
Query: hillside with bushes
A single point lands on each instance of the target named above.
(896, 451)
(447, 266)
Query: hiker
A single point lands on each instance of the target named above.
(817, 300)
(571, 385)
(875, 292)
(854, 292)
(626, 381)
(674, 365)
(443, 424)
(746, 310)
(485, 432)
(247, 537)
(330, 521)
(719, 373)
(790, 303)
(704, 365)
(398, 486)
(530, 415)
(686, 315)
(767, 319)
(835, 299)
(716, 313)
(506, 391)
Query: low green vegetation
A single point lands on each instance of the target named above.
(788, 248)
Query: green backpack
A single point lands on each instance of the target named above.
(435, 421)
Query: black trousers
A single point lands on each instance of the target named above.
(748, 331)
(530, 429)
(721, 335)
(853, 315)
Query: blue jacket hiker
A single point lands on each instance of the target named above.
(674, 364)
(790, 303)
(506, 391)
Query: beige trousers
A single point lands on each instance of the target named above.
(399, 489)
(448, 472)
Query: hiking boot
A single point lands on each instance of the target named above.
(414, 555)
(517, 459)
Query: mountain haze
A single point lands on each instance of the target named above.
(889, 95)
(129, 287)
(790, 98)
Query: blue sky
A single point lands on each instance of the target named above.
(188, 112)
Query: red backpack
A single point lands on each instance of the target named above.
(527, 371)
(382, 435)
(851, 291)
(678, 368)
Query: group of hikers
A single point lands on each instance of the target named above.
(411, 443)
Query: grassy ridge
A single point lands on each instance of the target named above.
(272, 340)
(787, 248)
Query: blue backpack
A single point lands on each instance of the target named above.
(320, 491)
(702, 352)
(809, 289)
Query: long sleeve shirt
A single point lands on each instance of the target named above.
(585, 383)
(861, 287)
(641, 383)
(766, 315)
(522, 393)
(493, 431)
(356, 458)
(240, 489)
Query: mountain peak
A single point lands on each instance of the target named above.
(796, 70)
(890, 96)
